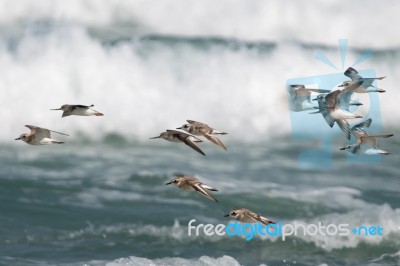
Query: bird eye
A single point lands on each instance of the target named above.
(233, 213)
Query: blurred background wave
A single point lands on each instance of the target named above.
(151, 65)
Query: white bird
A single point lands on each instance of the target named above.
(39, 136)
(358, 83)
(300, 97)
(76, 109)
(334, 107)
(365, 143)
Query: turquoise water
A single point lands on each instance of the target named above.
(98, 203)
(101, 198)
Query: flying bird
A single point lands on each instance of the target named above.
(334, 107)
(365, 143)
(201, 129)
(191, 183)
(179, 136)
(39, 136)
(81, 110)
(358, 83)
(300, 97)
(246, 216)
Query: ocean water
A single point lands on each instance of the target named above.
(101, 199)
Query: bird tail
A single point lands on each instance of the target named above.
(266, 221)
(382, 136)
(209, 188)
(216, 132)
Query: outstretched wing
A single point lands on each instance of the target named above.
(371, 141)
(188, 142)
(363, 124)
(198, 187)
(184, 137)
(353, 74)
(345, 127)
(197, 124)
(328, 118)
(82, 106)
(214, 140)
(32, 128)
(344, 100)
(183, 134)
(258, 217)
(39, 132)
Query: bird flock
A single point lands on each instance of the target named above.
(188, 134)
(334, 106)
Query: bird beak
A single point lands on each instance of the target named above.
(169, 183)
(156, 137)
(18, 138)
(315, 99)
(179, 128)
(56, 109)
(341, 85)
(342, 149)
(226, 215)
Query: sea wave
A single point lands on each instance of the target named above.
(247, 20)
(147, 75)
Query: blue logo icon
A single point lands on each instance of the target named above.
(313, 130)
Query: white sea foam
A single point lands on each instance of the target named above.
(144, 89)
(202, 261)
(374, 215)
(320, 21)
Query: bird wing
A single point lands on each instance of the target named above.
(371, 141)
(82, 106)
(184, 137)
(257, 217)
(300, 90)
(345, 127)
(344, 100)
(332, 98)
(214, 140)
(250, 214)
(183, 134)
(299, 94)
(190, 179)
(39, 132)
(326, 113)
(197, 124)
(32, 128)
(363, 124)
(318, 90)
(198, 187)
(352, 73)
(358, 134)
(192, 145)
(208, 187)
